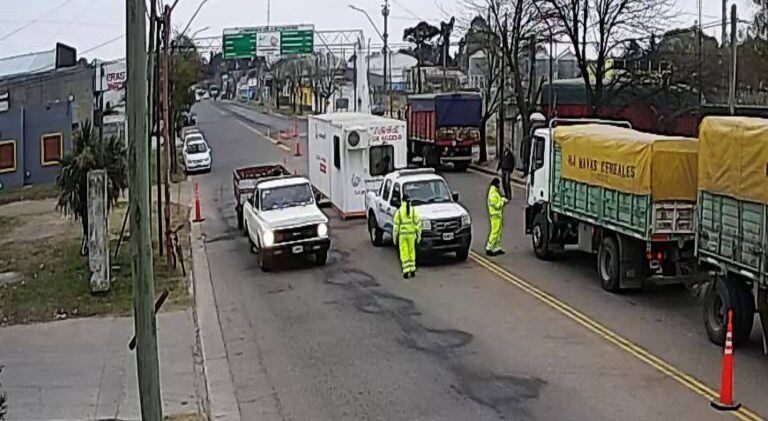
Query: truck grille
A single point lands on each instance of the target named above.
(440, 226)
(296, 234)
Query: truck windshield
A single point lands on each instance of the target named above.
(431, 191)
(286, 197)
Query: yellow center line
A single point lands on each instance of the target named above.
(604, 332)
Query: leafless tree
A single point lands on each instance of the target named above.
(597, 29)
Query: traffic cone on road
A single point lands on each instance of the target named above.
(725, 403)
(297, 152)
(296, 131)
(198, 216)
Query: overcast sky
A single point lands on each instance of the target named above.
(86, 24)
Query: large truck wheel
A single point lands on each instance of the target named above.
(460, 165)
(376, 234)
(727, 294)
(540, 237)
(608, 264)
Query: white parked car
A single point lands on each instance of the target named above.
(445, 224)
(281, 219)
(197, 156)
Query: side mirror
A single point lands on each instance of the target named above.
(455, 196)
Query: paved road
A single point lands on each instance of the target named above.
(474, 340)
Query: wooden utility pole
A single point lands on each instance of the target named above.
(139, 208)
(166, 136)
(152, 110)
(734, 46)
(156, 132)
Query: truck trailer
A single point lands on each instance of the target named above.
(732, 223)
(443, 128)
(628, 197)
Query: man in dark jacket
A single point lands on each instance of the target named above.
(506, 165)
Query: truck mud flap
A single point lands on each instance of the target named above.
(632, 273)
(762, 309)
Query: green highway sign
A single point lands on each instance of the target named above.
(297, 42)
(239, 44)
(268, 41)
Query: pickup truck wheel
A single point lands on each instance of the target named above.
(376, 234)
(462, 254)
(251, 244)
(540, 237)
(240, 219)
(727, 294)
(608, 262)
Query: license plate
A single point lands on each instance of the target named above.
(448, 236)
(297, 249)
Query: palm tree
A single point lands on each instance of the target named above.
(90, 154)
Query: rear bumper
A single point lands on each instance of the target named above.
(435, 243)
(307, 247)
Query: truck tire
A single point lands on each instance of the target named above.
(462, 254)
(376, 234)
(727, 293)
(251, 244)
(608, 264)
(240, 218)
(460, 165)
(540, 237)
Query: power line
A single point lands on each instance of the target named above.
(96, 47)
(397, 2)
(34, 21)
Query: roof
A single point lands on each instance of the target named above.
(419, 177)
(38, 62)
(283, 181)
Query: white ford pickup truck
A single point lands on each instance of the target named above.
(446, 225)
(282, 219)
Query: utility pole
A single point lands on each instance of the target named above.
(502, 104)
(156, 109)
(152, 111)
(734, 46)
(166, 135)
(701, 61)
(139, 208)
(385, 50)
(724, 24)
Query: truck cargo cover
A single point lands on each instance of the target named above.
(630, 161)
(734, 157)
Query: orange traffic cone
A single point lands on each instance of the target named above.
(297, 152)
(198, 216)
(726, 382)
(296, 131)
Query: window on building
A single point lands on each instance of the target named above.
(7, 156)
(51, 148)
(337, 152)
(382, 159)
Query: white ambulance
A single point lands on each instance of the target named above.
(350, 153)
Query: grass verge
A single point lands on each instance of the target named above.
(35, 192)
(55, 277)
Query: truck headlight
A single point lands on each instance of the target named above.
(426, 225)
(268, 238)
(465, 220)
(322, 230)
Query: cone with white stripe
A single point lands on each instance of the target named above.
(725, 403)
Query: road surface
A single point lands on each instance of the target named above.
(511, 338)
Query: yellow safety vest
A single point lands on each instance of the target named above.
(406, 224)
(495, 202)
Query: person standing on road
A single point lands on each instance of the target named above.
(495, 212)
(507, 166)
(406, 234)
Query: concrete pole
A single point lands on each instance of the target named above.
(385, 50)
(139, 197)
(98, 233)
(166, 136)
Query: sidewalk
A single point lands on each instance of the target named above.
(82, 369)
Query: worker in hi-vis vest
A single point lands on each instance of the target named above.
(496, 204)
(406, 234)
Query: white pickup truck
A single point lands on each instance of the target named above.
(282, 219)
(446, 225)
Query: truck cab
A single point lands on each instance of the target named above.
(446, 225)
(282, 219)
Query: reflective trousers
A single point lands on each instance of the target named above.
(407, 245)
(494, 236)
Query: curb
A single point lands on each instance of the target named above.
(220, 390)
(484, 170)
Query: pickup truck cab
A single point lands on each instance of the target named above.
(446, 225)
(282, 219)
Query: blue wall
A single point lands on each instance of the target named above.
(27, 131)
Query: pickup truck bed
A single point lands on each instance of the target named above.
(244, 182)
